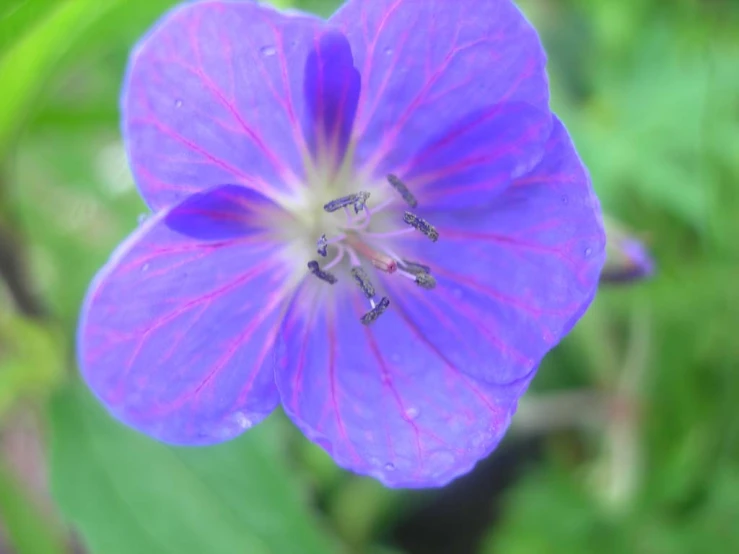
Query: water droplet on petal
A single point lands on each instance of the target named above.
(412, 413)
(388, 51)
(588, 251)
(389, 467)
(565, 199)
(242, 421)
(268, 50)
(144, 268)
(178, 103)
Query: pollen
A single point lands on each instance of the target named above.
(399, 185)
(379, 309)
(421, 225)
(329, 278)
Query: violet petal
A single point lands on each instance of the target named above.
(429, 66)
(331, 89)
(473, 162)
(213, 95)
(223, 213)
(176, 335)
(383, 400)
(513, 279)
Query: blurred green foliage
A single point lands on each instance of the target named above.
(648, 90)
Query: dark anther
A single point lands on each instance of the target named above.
(399, 185)
(358, 200)
(425, 281)
(415, 268)
(375, 312)
(361, 201)
(422, 225)
(330, 278)
(322, 245)
(363, 281)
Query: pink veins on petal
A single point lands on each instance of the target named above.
(375, 220)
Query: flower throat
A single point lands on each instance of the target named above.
(356, 241)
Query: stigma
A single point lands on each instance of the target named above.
(359, 246)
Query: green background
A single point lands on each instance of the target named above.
(629, 439)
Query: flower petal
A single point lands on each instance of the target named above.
(417, 398)
(382, 400)
(223, 213)
(176, 335)
(474, 161)
(214, 95)
(514, 279)
(430, 67)
(331, 90)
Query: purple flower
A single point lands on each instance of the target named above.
(627, 259)
(375, 221)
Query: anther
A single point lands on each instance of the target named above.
(415, 268)
(361, 201)
(425, 281)
(399, 186)
(377, 311)
(330, 278)
(363, 281)
(322, 245)
(358, 200)
(422, 225)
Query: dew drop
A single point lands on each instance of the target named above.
(144, 268)
(388, 51)
(412, 413)
(565, 199)
(242, 421)
(178, 103)
(389, 467)
(588, 251)
(268, 50)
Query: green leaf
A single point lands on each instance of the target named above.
(16, 16)
(127, 493)
(26, 66)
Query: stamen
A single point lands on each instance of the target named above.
(376, 311)
(358, 200)
(363, 281)
(415, 268)
(330, 278)
(425, 281)
(422, 279)
(361, 201)
(322, 245)
(399, 186)
(353, 258)
(337, 259)
(421, 225)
